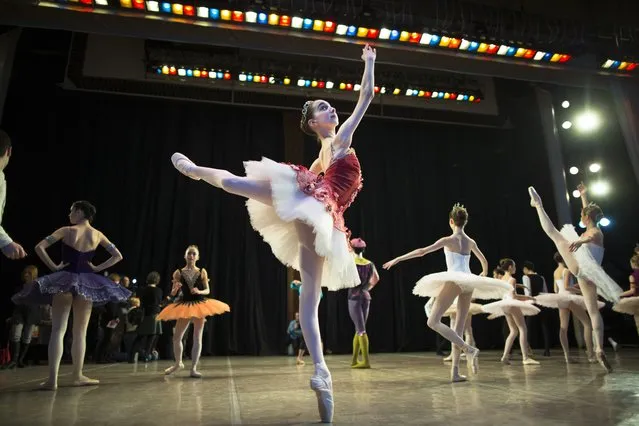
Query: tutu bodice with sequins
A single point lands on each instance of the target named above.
(77, 278)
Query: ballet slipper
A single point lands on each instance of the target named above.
(455, 377)
(85, 381)
(603, 361)
(184, 165)
(472, 360)
(530, 361)
(535, 199)
(172, 369)
(323, 387)
(48, 386)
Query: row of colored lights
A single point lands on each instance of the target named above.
(330, 27)
(306, 83)
(611, 64)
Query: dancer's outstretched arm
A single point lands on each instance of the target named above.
(484, 263)
(582, 192)
(416, 253)
(116, 256)
(344, 136)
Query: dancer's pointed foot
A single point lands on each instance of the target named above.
(184, 165)
(362, 364)
(505, 360)
(323, 387)
(48, 386)
(449, 358)
(472, 359)
(603, 361)
(172, 369)
(196, 374)
(535, 199)
(530, 361)
(85, 381)
(455, 377)
(299, 361)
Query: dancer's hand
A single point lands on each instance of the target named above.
(369, 53)
(582, 188)
(574, 246)
(176, 287)
(14, 251)
(390, 264)
(63, 265)
(195, 291)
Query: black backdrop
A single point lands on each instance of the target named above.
(114, 151)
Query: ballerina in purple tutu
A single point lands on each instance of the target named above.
(73, 284)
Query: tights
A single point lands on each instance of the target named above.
(588, 289)
(469, 337)
(181, 326)
(61, 307)
(517, 326)
(564, 319)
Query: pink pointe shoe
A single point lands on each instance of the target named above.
(184, 165)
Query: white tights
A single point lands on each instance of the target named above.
(181, 326)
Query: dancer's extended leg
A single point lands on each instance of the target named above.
(60, 309)
(581, 314)
(564, 320)
(512, 335)
(520, 322)
(589, 291)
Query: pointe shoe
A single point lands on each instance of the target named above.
(449, 358)
(323, 388)
(299, 362)
(362, 364)
(472, 355)
(183, 165)
(48, 386)
(172, 369)
(530, 361)
(603, 361)
(196, 374)
(535, 199)
(455, 377)
(85, 381)
(505, 361)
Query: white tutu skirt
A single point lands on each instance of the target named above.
(590, 269)
(475, 309)
(627, 305)
(562, 300)
(276, 224)
(482, 287)
(506, 306)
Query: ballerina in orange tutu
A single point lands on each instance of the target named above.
(193, 306)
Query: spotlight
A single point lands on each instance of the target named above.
(604, 221)
(566, 124)
(600, 188)
(565, 104)
(582, 225)
(595, 167)
(576, 193)
(574, 170)
(135, 280)
(588, 121)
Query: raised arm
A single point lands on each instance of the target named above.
(116, 256)
(205, 280)
(42, 246)
(344, 136)
(474, 248)
(582, 192)
(416, 253)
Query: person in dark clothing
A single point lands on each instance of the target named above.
(23, 320)
(109, 320)
(150, 327)
(535, 284)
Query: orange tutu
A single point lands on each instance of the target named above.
(196, 309)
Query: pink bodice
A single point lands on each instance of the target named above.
(336, 188)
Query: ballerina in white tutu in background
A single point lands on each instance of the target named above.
(582, 256)
(300, 212)
(629, 302)
(457, 283)
(568, 299)
(514, 307)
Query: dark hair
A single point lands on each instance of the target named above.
(308, 112)
(459, 215)
(529, 265)
(153, 278)
(506, 263)
(594, 212)
(5, 142)
(499, 271)
(85, 207)
(359, 250)
(557, 257)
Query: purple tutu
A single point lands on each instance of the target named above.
(100, 290)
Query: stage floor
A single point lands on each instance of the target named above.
(409, 388)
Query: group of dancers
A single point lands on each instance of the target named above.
(300, 213)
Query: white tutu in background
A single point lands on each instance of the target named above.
(504, 306)
(562, 300)
(627, 305)
(482, 287)
(474, 309)
(276, 223)
(590, 268)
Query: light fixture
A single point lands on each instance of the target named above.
(600, 188)
(604, 221)
(582, 225)
(574, 170)
(611, 64)
(565, 104)
(594, 167)
(566, 125)
(576, 193)
(588, 121)
(134, 280)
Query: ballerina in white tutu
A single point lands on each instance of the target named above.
(300, 212)
(629, 302)
(458, 282)
(514, 307)
(582, 256)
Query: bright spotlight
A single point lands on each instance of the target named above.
(576, 193)
(566, 125)
(134, 280)
(565, 104)
(595, 167)
(582, 225)
(600, 188)
(588, 121)
(604, 221)
(574, 170)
